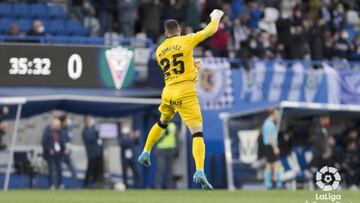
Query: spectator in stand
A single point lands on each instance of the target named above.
(342, 47)
(297, 46)
(328, 44)
(240, 33)
(105, 13)
(228, 24)
(4, 126)
(127, 16)
(277, 49)
(338, 16)
(316, 40)
(149, 13)
(172, 9)
(325, 11)
(77, 7)
(283, 27)
(94, 153)
(242, 42)
(15, 31)
(356, 54)
(92, 22)
(219, 41)
(37, 29)
(53, 151)
(236, 8)
(267, 49)
(255, 12)
(314, 8)
(192, 14)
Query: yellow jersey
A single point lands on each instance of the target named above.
(175, 54)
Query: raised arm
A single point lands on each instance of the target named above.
(210, 29)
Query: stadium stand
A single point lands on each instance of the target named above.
(54, 18)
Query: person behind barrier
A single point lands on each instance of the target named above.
(128, 140)
(165, 154)
(66, 125)
(4, 127)
(53, 151)
(94, 152)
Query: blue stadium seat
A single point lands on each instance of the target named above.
(85, 31)
(6, 10)
(58, 39)
(95, 40)
(57, 27)
(77, 40)
(46, 24)
(21, 10)
(5, 24)
(75, 28)
(24, 25)
(39, 11)
(57, 12)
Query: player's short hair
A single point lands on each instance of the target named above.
(326, 116)
(171, 26)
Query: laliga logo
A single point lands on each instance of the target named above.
(328, 178)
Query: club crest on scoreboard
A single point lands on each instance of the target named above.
(119, 60)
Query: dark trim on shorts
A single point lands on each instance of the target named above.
(161, 125)
(198, 134)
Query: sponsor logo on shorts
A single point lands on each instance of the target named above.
(176, 103)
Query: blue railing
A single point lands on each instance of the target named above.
(79, 40)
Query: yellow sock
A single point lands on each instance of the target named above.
(153, 137)
(198, 150)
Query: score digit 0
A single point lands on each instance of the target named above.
(74, 66)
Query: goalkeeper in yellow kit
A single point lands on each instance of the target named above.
(175, 57)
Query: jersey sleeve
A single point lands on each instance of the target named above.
(209, 30)
(265, 129)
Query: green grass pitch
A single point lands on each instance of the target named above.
(179, 196)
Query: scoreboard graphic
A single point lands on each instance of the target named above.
(66, 66)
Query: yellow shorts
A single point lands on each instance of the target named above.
(181, 97)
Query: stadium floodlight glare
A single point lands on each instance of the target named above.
(18, 101)
(283, 107)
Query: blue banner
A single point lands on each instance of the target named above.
(276, 81)
(350, 87)
(214, 84)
